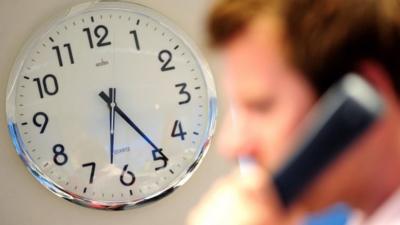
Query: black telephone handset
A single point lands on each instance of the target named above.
(343, 114)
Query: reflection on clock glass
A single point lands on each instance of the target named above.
(111, 105)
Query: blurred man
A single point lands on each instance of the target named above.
(280, 56)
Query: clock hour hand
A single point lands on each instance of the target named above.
(112, 104)
(157, 152)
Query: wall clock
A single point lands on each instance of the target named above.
(110, 105)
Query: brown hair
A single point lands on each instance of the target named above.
(326, 38)
(231, 16)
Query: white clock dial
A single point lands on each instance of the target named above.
(111, 105)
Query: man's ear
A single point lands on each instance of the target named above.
(379, 78)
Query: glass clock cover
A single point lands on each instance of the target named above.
(110, 105)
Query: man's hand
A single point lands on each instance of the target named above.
(242, 200)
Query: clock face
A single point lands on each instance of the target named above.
(111, 106)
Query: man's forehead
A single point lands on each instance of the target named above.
(254, 59)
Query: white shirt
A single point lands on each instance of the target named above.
(387, 214)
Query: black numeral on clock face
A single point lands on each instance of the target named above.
(158, 155)
(184, 92)
(165, 57)
(127, 178)
(40, 119)
(135, 37)
(60, 157)
(59, 55)
(48, 85)
(177, 131)
(101, 33)
(92, 166)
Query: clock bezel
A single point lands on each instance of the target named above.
(39, 35)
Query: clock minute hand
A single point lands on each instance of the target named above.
(108, 100)
(112, 104)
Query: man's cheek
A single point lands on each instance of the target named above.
(277, 147)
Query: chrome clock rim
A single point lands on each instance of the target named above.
(11, 94)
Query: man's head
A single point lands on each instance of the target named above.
(282, 55)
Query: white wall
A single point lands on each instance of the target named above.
(23, 201)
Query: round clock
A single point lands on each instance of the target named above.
(110, 105)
